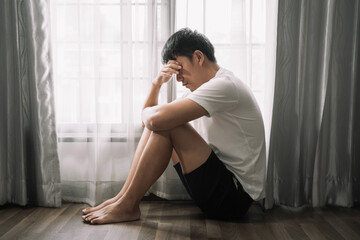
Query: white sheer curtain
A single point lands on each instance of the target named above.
(106, 53)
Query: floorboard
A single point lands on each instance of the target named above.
(181, 220)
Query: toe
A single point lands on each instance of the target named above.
(88, 217)
(85, 210)
(97, 221)
(92, 217)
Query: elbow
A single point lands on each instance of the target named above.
(157, 124)
(148, 119)
(154, 120)
(152, 124)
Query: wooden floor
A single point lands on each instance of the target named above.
(181, 220)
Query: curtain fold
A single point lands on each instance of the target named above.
(314, 143)
(29, 165)
(106, 55)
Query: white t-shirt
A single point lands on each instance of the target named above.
(234, 129)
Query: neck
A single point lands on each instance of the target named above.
(211, 70)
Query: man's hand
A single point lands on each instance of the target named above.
(172, 67)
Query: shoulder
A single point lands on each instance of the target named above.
(218, 94)
(224, 83)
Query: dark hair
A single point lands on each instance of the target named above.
(184, 42)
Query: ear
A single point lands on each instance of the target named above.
(199, 57)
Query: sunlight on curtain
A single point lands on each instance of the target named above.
(106, 53)
(244, 36)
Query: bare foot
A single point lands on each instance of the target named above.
(102, 205)
(113, 213)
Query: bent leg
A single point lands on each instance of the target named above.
(192, 150)
(139, 150)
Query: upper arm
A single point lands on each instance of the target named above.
(168, 116)
(217, 95)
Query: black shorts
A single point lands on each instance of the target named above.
(216, 190)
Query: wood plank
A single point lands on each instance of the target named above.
(233, 230)
(16, 224)
(340, 226)
(76, 228)
(264, 231)
(314, 216)
(213, 229)
(287, 216)
(58, 223)
(174, 222)
(162, 230)
(7, 213)
(312, 231)
(97, 234)
(182, 220)
(197, 224)
(324, 227)
(128, 230)
(43, 217)
(154, 214)
(350, 216)
(259, 220)
(39, 220)
(148, 228)
(180, 213)
(279, 231)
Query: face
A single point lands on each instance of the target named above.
(189, 73)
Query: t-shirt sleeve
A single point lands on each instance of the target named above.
(216, 95)
(185, 95)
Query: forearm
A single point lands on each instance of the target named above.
(168, 116)
(151, 100)
(172, 67)
(153, 97)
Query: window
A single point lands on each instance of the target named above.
(237, 29)
(98, 44)
(105, 54)
(102, 50)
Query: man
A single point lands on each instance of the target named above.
(221, 163)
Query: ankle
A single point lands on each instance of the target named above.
(129, 203)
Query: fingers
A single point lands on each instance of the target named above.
(172, 67)
(173, 62)
(177, 67)
(169, 70)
